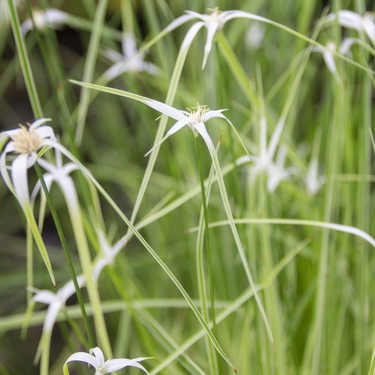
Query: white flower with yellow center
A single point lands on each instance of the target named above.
(25, 142)
(195, 119)
(96, 360)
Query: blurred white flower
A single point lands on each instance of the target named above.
(331, 48)
(312, 179)
(254, 35)
(131, 61)
(53, 18)
(264, 161)
(55, 301)
(277, 172)
(26, 141)
(351, 20)
(213, 22)
(96, 360)
(108, 253)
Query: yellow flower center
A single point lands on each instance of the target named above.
(216, 17)
(26, 141)
(197, 113)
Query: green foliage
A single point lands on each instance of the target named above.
(284, 284)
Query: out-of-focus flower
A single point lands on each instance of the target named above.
(351, 20)
(96, 360)
(130, 61)
(53, 18)
(56, 301)
(254, 35)
(331, 48)
(264, 161)
(108, 253)
(312, 179)
(277, 172)
(213, 22)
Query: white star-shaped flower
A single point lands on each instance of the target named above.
(56, 301)
(96, 360)
(25, 142)
(312, 179)
(331, 49)
(264, 161)
(131, 61)
(213, 22)
(277, 172)
(108, 253)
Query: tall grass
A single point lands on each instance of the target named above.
(245, 249)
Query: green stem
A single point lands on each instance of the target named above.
(200, 262)
(25, 63)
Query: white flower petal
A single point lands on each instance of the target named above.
(98, 268)
(84, 357)
(179, 21)
(226, 16)
(274, 141)
(55, 17)
(213, 26)
(68, 289)
(330, 61)
(47, 166)
(113, 55)
(150, 68)
(369, 28)
(346, 44)
(350, 20)
(69, 191)
(26, 26)
(39, 122)
(4, 171)
(178, 125)
(113, 365)
(214, 113)
(190, 35)
(19, 178)
(129, 46)
(44, 296)
(165, 109)
(201, 129)
(45, 132)
(98, 354)
(202, 17)
(115, 70)
(11, 133)
(52, 312)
